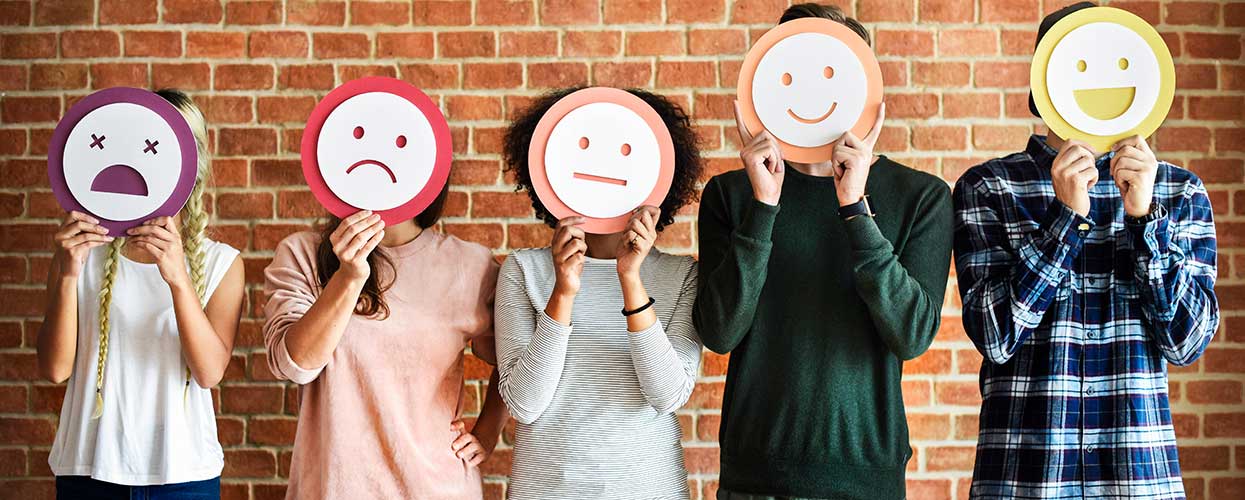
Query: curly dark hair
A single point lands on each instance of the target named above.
(687, 163)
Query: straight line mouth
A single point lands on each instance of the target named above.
(598, 178)
(819, 119)
(373, 162)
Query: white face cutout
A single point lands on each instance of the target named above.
(376, 151)
(808, 89)
(1103, 78)
(602, 160)
(122, 173)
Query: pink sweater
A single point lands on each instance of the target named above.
(375, 421)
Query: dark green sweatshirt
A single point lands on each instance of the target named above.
(818, 315)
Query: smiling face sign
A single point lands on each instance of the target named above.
(1102, 74)
(601, 153)
(808, 81)
(124, 155)
(376, 144)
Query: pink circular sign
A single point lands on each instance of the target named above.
(376, 144)
(600, 153)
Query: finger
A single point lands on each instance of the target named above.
(361, 239)
(1129, 164)
(576, 233)
(151, 249)
(346, 223)
(155, 231)
(84, 238)
(462, 441)
(571, 221)
(871, 138)
(744, 136)
(472, 450)
(851, 141)
(477, 459)
(79, 216)
(358, 228)
(650, 223)
(458, 425)
(372, 243)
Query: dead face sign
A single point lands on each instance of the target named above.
(808, 81)
(376, 144)
(123, 155)
(601, 153)
(1102, 74)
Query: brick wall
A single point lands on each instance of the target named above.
(956, 74)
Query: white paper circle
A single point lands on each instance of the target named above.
(1101, 45)
(599, 180)
(799, 113)
(373, 172)
(125, 129)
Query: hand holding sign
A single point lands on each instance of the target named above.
(851, 160)
(762, 162)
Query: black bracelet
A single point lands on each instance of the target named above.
(640, 309)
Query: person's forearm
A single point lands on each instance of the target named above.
(560, 306)
(58, 335)
(635, 297)
(734, 268)
(492, 415)
(312, 340)
(206, 353)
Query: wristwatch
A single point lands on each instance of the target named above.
(862, 207)
(1157, 211)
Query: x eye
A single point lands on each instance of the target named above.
(97, 141)
(786, 78)
(358, 132)
(151, 146)
(1080, 65)
(1123, 63)
(583, 143)
(828, 72)
(626, 149)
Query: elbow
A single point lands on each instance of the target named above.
(208, 380)
(716, 342)
(522, 415)
(54, 374)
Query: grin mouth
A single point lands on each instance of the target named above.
(373, 162)
(819, 119)
(120, 179)
(1105, 103)
(601, 179)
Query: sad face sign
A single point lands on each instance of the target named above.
(600, 153)
(808, 81)
(123, 155)
(376, 144)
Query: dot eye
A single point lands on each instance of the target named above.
(401, 142)
(583, 143)
(1080, 65)
(358, 132)
(626, 149)
(828, 72)
(1123, 62)
(786, 78)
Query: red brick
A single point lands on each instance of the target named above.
(983, 105)
(940, 74)
(904, 43)
(1225, 108)
(950, 458)
(632, 11)
(192, 11)
(127, 11)
(504, 12)
(153, 43)
(492, 75)
(570, 11)
(347, 72)
(431, 76)
(253, 12)
(27, 45)
(244, 462)
(193, 76)
(64, 12)
(1204, 13)
(929, 489)
(340, 45)
(315, 12)
(458, 44)
(405, 45)
(441, 13)
(244, 205)
(246, 141)
(15, 109)
(655, 43)
(90, 44)
(277, 431)
(757, 11)
(1000, 137)
(528, 43)
(886, 10)
(1225, 425)
(928, 426)
(1009, 11)
(685, 74)
(557, 74)
(380, 13)
(311, 76)
(717, 42)
(58, 76)
(968, 42)
(1001, 74)
(958, 393)
(27, 431)
(946, 12)
(215, 44)
(1213, 45)
(244, 76)
(15, 13)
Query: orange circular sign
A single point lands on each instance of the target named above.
(807, 82)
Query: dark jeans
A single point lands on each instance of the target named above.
(85, 488)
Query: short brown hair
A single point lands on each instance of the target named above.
(830, 12)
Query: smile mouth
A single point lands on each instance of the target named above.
(598, 178)
(373, 162)
(1105, 103)
(120, 179)
(819, 119)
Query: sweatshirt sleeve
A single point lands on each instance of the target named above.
(904, 291)
(290, 287)
(531, 347)
(667, 359)
(734, 263)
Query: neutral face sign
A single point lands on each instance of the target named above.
(600, 153)
(807, 82)
(376, 144)
(124, 155)
(1100, 75)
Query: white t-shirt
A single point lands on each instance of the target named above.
(148, 434)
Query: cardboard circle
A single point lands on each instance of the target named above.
(1041, 61)
(540, 141)
(857, 45)
(431, 113)
(166, 111)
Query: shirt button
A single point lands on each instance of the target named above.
(1083, 227)
(1089, 449)
(1089, 391)
(1090, 334)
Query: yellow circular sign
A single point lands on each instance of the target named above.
(1102, 74)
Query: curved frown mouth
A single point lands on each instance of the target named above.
(120, 179)
(819, 119)
(373, 162)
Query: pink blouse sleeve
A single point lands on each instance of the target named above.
(290, 285)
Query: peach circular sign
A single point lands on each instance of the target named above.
(600, 153)
(808, 81)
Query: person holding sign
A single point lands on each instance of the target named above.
(820, 276)
(141, 312)
(595, 342)
(1085, 266)
(371, 314)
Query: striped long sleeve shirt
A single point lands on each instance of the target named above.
(1077, 318)
(595, 403)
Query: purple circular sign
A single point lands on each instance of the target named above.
(123, 155)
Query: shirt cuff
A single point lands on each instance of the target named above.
(1151, 237)
(291, 369)
(864, 234)
(545, 324)
(1066, 226)
(758, 221)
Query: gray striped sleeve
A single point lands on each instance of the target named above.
(531, 347)
(667, 360)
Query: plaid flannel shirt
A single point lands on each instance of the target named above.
(1076, 318)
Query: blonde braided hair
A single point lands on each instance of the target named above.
(194, 229)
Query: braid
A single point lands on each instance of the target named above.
(105, 304)
(195, 220)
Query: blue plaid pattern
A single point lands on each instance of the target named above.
(1077, 318)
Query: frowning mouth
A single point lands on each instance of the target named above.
(819, 119)
(598, 178)
(374, 162)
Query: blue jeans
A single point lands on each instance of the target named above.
(85, 488)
